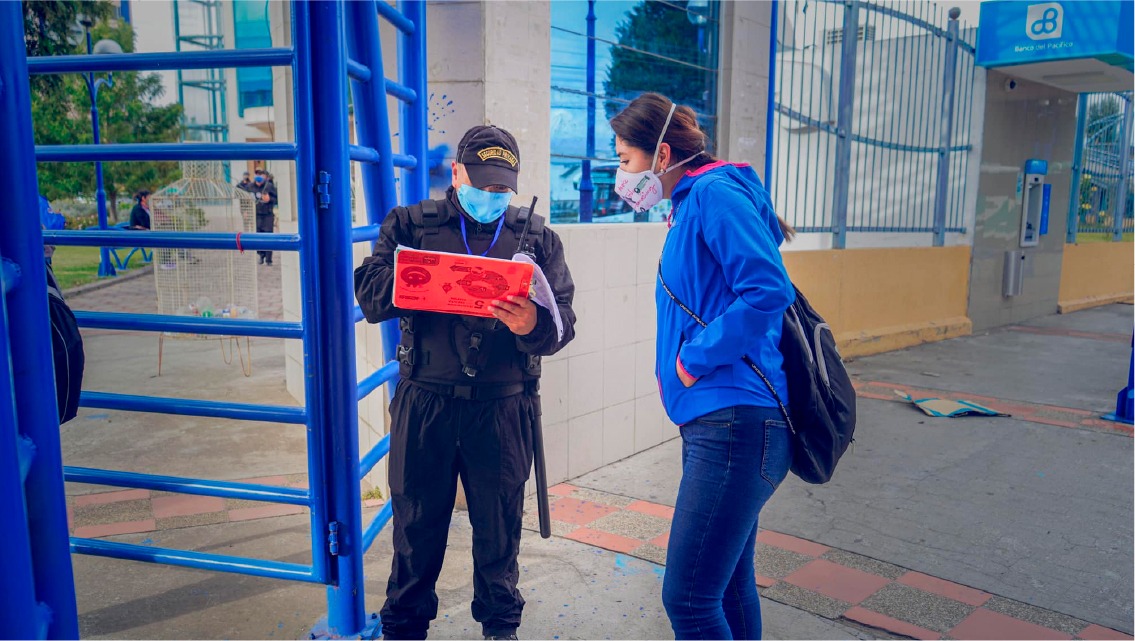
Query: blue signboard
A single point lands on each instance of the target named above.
(1018, 32)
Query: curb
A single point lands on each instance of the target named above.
(108, 282)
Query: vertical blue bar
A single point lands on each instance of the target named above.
(940, 196)
(586, 186)
(335, 356)
(17, 582)
(1119, 202)
(771, 115)
(1077, 168)
(844, 122)
(372, 122)
(32, 376)
(414, 128)
(309, 268)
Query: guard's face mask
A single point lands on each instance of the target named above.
(483, 206)
(260, 179)
(643, 190)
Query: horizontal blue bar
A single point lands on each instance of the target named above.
(190, 407)
(381, 449)
(891, 230)
(25, 452)
(172, 239)
(358, 71)
(379, 522)
(385, 373)
(167, 151)
(359, 153)
(196, 560)
(9, 275)
(400, 91)
(226, 58)
(188, 324)
(202, 487)
(359, 316)
(365, 233)
(395, 17)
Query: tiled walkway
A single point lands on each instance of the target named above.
(832, 583)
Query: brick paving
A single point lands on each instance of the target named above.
(833, 583)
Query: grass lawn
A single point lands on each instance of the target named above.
(76, 266)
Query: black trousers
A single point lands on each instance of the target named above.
(434, 440)
(265, 223)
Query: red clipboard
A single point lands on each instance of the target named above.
(455, 283)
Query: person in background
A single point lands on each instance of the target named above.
(246, 183)
(140, 214)
(722, 259)
(265, 209)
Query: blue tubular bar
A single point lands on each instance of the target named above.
(191, 407)
(357, 70)
(154, 151)
(381, 449)
(329, 233)
(380, 521)
(196, 560)
(382, 375)
(229, 58)
(396, 18)
(202, 487)
(9, 276)
(365, 233)
(412, 117)
(358, 317)
(369, 155)
(31, 384)
(188, 324)
(312, 312)
(173, 239)
(400, 91)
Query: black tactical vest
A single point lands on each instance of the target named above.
(448, 349)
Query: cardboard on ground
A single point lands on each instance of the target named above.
(455, 283)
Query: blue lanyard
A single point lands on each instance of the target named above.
(465, 238)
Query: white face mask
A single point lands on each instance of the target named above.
(643, 190)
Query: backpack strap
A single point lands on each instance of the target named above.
(517, 217)
(428, 218)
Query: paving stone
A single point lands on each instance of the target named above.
(652, 553)
(920, 608)
(118, 512)
(209, 518)
(813, 602)
(866, 564)
(1039, 616)
(531, 521)
(603, 498)
(634, 525)
(777, 563)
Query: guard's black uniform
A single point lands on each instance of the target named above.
(266, 214)
(464, 407)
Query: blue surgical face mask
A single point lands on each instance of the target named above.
(260, 179)
(483, 206)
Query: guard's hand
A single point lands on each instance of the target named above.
(517, 313)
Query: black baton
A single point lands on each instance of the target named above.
(541, 472)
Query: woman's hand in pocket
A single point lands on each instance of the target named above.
(683, 375)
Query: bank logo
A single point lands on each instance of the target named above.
(1044, 21)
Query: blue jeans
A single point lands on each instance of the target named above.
(732, 461)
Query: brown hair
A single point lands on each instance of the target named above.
(640, 122)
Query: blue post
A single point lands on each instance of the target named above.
(106, 268)
(1125, 400)
(329, 232)
(1077, 169)
(586, 186)
(845, 119)
(33, 381)
(947, 133)
(1119, 202)
(413, 125)
(770, 116)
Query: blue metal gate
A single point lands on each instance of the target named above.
(37, 598)
(1102, 171)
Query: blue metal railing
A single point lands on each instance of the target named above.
(37, 597)
(1100, 201)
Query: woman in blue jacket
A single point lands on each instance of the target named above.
(721, 258)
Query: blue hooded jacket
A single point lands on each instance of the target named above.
(722, 259)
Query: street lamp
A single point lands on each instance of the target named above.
(105, 46)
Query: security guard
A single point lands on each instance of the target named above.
(467, 400)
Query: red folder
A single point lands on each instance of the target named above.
(455, 283)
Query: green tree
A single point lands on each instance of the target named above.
(664, 29)
(1104, 121)
(127, 113)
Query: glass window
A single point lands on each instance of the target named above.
(667, 46)
(252, 31)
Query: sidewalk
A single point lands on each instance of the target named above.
(964, 528)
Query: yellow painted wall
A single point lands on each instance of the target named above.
(878, 300)
(1096, 274)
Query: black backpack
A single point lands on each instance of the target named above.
(819, 389)
(66, 350)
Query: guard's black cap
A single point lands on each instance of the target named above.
(490, 155)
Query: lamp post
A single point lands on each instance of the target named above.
(105, 46)
(586, 186)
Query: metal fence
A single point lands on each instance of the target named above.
(1100, 202)
(331, 42)
(872, 130)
